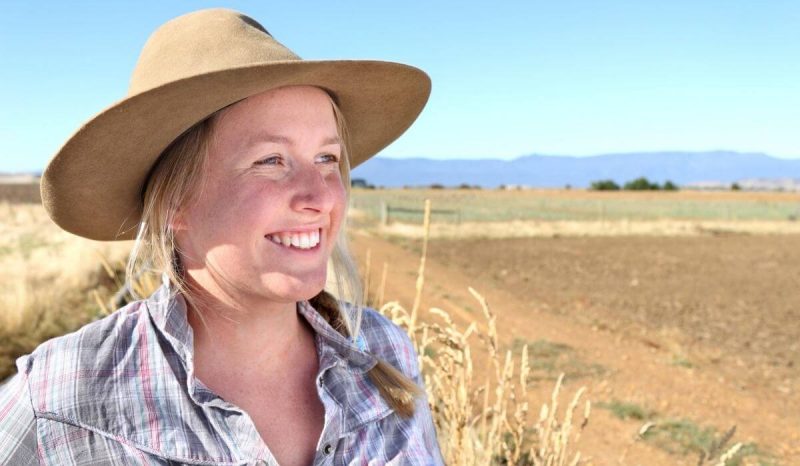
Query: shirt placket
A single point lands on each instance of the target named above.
(331, 431)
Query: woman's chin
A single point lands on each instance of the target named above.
(294, 289)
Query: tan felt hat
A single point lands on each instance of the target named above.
(189, 68)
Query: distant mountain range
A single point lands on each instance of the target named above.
(698, 169)
(702, 170)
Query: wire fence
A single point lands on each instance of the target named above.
(397, 206)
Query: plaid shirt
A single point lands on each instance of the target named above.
(122, 391)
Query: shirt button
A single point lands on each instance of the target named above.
(327, 449)
(261, 463)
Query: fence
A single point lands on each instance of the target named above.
(387, 211)
(489, 206)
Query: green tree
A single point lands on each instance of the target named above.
(641, 184)
(669, 186)
(604, 185)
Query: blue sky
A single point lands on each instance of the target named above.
(509, 78)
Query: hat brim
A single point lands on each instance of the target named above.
(92, 186)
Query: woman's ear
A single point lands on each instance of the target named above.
(178, 221)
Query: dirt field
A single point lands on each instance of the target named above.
(704, 329)
(734, 298)
(20, 192)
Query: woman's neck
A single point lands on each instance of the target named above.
(265, 335)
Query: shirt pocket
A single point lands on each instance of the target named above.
(64, 444)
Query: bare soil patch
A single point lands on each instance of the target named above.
(20, 192)
(694, 334)
(708, 299)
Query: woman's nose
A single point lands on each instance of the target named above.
(313, 191)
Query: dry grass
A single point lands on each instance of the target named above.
(25, 191)
(534, 228)
(486, 421)
(466, 205)
(416, 195)
(49, 280)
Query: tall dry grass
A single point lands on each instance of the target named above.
(486, 420)
(49, 280)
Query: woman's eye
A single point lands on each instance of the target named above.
(330, 158)
(271, 160)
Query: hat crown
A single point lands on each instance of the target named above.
(203, 42)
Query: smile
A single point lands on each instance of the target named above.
(304, 240)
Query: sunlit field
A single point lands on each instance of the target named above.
(51, 282)
(497, 205)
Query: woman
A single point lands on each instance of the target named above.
(229, 163)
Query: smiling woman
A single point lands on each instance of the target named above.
(236, 159)
(260, 190)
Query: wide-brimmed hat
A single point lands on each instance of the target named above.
(189, 68)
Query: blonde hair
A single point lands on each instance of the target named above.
(177, 179)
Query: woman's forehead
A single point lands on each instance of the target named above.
(282, 101)
(280, 110)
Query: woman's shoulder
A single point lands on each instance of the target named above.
(94, 335)
(93, 350)
(388, 341)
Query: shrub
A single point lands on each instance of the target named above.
(641, 184)
(604, 185)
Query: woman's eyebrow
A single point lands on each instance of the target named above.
(266, 137)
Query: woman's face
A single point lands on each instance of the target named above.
(265, 222)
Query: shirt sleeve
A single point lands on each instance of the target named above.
(18, 444)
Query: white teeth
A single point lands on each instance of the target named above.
(298, 240)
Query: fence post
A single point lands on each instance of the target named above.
(384, 213)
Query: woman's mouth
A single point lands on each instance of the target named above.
(306, 240)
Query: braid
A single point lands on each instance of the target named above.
(328, 308)
(396, 389)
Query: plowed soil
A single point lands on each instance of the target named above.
(700, 328)
(731, 298)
